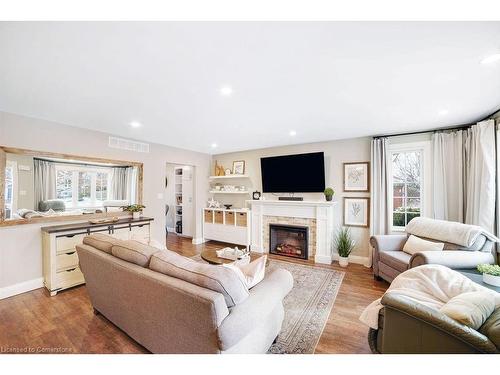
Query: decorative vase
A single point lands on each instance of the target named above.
(343, 261)
(491, 279)
(136, 215)
(329, 197)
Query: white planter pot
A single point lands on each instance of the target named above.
(492, 280)
(136, 215)
(343, 261)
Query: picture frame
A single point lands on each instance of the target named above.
(357, 212)
(239, 167)
(357, 177)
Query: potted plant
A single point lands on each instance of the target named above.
(136, 210)
(344, 244)
(329, 193)
(491, 273)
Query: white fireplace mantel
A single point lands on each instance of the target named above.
(322, 211)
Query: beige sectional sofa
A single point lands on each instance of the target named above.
(169, 314)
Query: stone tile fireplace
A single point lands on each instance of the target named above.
(315, 216)
(289, 240)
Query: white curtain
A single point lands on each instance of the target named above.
(45, 180)
(379, 212)
(119, 183)
(124, 184)
(480, 159)
(448, 176)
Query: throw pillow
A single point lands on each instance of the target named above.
(415, 245)
(251, 273)
(471, 309)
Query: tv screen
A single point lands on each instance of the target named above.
(301, 173)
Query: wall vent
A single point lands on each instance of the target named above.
(127, 144)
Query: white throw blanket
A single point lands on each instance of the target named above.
(431, 285)
(447, 231)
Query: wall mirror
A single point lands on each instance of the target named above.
(42, 186)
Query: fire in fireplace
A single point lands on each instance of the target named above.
(288, 240)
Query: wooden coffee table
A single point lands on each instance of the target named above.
(211, 257)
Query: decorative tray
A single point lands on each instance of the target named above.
(231, 254)
(106, 220)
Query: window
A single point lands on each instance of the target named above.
(408, 182)
(82, 186)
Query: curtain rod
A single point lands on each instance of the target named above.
(81, 164)
(454, 127)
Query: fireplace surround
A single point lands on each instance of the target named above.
(289, 240)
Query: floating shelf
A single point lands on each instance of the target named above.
(228, 192)
(228, 177)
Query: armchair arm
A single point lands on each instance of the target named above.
(385, 242)
(437, 320)
(263, 299)
(452, 258)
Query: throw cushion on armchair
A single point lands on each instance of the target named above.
(471, 309)
(415, 245)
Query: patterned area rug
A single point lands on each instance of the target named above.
(307, 306)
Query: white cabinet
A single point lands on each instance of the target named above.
(60, 260)
(232, 226)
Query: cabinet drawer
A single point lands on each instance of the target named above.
(241, 219)
(71, 277)
(142, 230)
(121, 233)
(219, 217)
(229, 218)
(66, 260)
(67, 243)
(209, 216)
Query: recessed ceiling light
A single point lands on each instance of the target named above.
(135, 124)
(443, 112)
(214, 145)
(491, 59)
(293, 133)
(226, 90)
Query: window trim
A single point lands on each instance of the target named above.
(75, 169)
(425, 198)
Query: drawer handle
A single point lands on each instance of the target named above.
(70, 235)
(71, 253)
(71, 270)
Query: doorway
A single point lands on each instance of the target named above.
(179, 206)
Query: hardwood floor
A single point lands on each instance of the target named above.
(35, 322)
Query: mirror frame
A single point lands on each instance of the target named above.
(19, 151)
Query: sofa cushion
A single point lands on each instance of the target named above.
(415, 244)
(134, 252)
(471, 309)
(398, 260)
(101, 242)
(491, 328)
(217, 278)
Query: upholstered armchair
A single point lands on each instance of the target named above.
(389, 260)
(408, 327)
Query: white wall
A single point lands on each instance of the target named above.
(336, 153)
(20, 246)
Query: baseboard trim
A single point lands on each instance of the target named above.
(25, 286)
(365, 261)
(197, 241)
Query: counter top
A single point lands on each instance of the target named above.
(86, 224)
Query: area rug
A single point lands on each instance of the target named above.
(307, 306)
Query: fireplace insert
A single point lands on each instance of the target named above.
(289, 240)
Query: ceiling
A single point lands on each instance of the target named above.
(323, 80)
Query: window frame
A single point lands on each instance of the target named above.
(93, 170)
(425, 191)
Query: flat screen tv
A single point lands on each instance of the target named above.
(300, 173)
